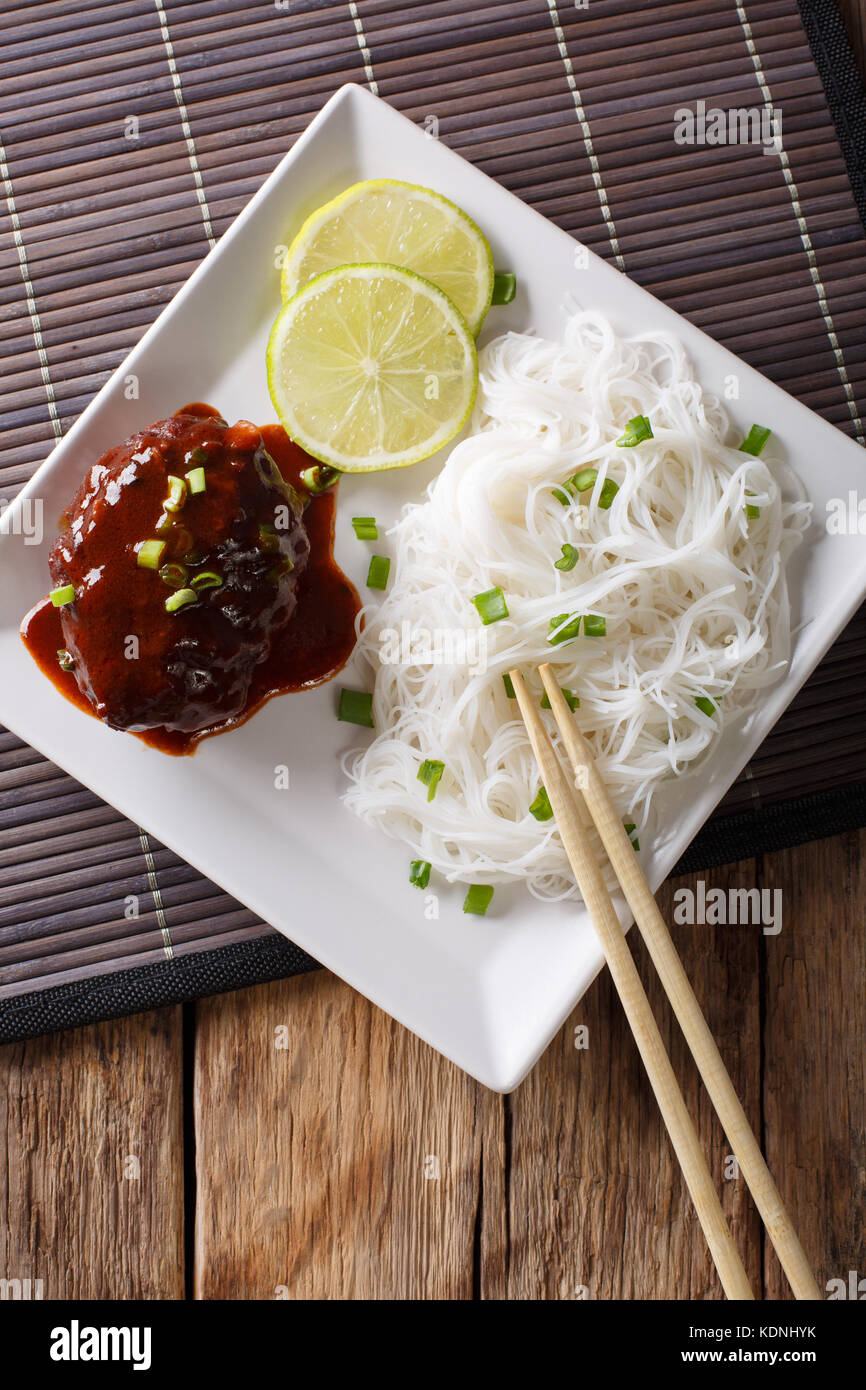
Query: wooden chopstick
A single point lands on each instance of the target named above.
(623, 971)
(663, 953)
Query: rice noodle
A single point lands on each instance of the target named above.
(692, 590)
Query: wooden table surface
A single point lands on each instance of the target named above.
(291, 1141)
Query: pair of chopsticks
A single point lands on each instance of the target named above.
(570, 803)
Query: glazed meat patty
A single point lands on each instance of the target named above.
(184, 547)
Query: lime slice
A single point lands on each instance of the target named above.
(370, 366)
(393, 223)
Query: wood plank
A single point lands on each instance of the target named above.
(321, 1125)
(814, 1062)
(91, 1175)
(597, 1206)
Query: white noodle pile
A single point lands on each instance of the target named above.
(693, 593)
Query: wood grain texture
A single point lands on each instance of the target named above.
(337, 1156)
(597, 1205)
(814, 1068)
(84, 1112)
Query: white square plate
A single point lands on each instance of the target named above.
(488, 992)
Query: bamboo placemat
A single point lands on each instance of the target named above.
(131, 137)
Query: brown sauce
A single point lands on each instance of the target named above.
(315, 645)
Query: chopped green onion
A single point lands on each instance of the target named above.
(629, 828)
(419, 872)
(174, 576)
(639, 429)
(283, 566)
(179, 599)
(584, 480)
(181, 539)
(755, 440)
(269, 541)
(150, 554)
(177, 491)
(199, 455)
(509, 686)
(377, 574)
(705, 704)
(570, 699)
(164, 523)
(319, 478)
(356, 707)
(571, 629)
(594, 625)
(609, 489)
(541, 807)
(570, 557)
(751, 510)
(65, 659)
(365, 528)
(430, 773)
(206, 579)
(504, 287)
(491, 606)
(60, 597)
(478, 899)
(197, 481)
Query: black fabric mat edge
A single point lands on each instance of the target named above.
(723, 841)
(843, 86)
(175, 981)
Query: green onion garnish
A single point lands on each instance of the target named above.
(571, 629)
(509, 686)
(356, 707)
(570, 699)
(174, 576)
(638, 429)
(65, 659)
(705, 704)
(504, 287)
(283, 566)
(419, 872)
(150, 554)
(541, 807)
(318, 478)
(755, 440)
(179, 599)
(584, 480)
(570, 557)
(478, 899)
(629, 828)
(269, 541)
(206, 579)
(199, 455)
(562, 496)
(365, 528)
(491, 606)
(60, 597)
(751, 510)
(609, 489)
(177, 491)
(377, 574)
(197, 481)
(430, 773)
(594, 625)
